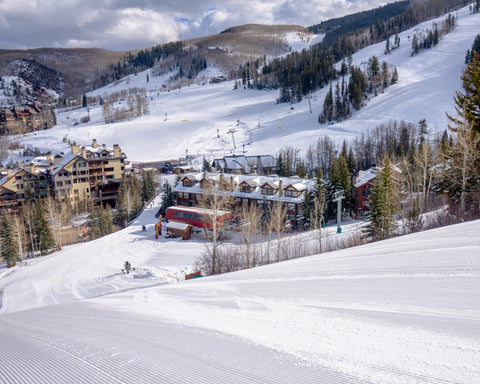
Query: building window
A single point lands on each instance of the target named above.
(366, 203)
(291, 207)
(267, 190)
(239, 200)
(245, 188)
(291, 193)
(245, 201)
(59, 183)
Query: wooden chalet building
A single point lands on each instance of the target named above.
(362, 190)
(247, 190)
(365, 182)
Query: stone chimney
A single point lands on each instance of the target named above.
(75, 149)
(280, 188)
(84, 153)
(9, 173)
(94, 143)
(117, 152)
(232, 183)
(222, 179)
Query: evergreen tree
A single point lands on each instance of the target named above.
(301, 168)
(351, 162)
(168, 198)
(415, 46)
(43, 235)
(148, 186)
(357, 86)
(422, 129)
(383, 204)
(339, 180)
(467, 104)
(8, 245)
(394, 76)
(265, 214)
(307, 206)
(282, 166)
(328, 106)
(100, 222)
(206, 166)
(84, 101)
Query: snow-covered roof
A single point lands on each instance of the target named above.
(256, 183)
(66, 159)
(251, 182)
(298, 186)
(366, 176)
(237, 162)
(262, 160)
(177, 225)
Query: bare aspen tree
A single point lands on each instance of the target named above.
(250, 216)
(215, 202)
(425, 159)
(317, 217)
(461, 161)
(278, 222)
(28, 215)
(56, 212)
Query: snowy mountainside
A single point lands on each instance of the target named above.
(197, 118)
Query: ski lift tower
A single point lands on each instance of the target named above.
(232, 131)
(338, 196)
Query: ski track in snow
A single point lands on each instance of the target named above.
(163, 359)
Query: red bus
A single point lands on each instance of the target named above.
(196, 217)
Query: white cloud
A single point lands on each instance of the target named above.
(130, 24)
(134, 24)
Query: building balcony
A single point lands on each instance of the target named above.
(6, 202)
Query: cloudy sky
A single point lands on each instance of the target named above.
(131, 24)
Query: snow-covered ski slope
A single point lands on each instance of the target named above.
(200, 116)
(405, 310)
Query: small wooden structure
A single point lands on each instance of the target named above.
(194, 275)
(176, 229)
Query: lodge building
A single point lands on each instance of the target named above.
(247, 190)
(87, 173)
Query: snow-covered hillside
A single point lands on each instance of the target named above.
(403, 310)
(200, 116)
